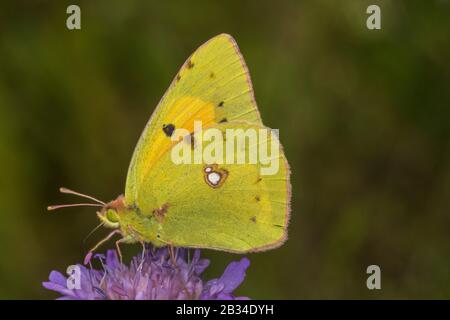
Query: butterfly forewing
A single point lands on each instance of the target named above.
(213, 86)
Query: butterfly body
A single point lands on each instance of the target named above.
(216, 204)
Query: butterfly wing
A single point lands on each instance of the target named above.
(246, 211)
(212, 86)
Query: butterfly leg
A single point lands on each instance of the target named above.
(143, 256)
(137, 236)
(109, 236)
(172, 255)
(104, 273)
(171, 250)
(119, 252)
(127, 239)
(173, 259)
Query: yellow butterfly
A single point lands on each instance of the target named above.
(223, 206)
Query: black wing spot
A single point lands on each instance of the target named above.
(190, 64)
(178, 77)
(168, 129)
(221, 103)
(258, 198)
(259, 180)
(223, 120)
(253, 219)
(212, 75)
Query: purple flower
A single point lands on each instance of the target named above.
(152, 277)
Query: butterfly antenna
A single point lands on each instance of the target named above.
(92, 232)
(68, 191)
(59, 206)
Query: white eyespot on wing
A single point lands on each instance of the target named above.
(214, 178)
(208, 169)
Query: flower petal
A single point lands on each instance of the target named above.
(58, 288)
(234, 274)
(112, 260)
(154, 278)
(58, 278)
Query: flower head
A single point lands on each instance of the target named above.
(153, 276)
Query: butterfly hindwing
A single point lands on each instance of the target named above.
(237, 210)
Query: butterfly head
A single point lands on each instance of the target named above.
(112, 215)
(109, 215)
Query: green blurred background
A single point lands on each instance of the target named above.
(363, 115)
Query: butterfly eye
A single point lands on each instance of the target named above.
(111, 216)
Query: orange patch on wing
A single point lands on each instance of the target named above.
(183, 113)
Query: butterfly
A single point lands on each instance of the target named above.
(221, 205)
